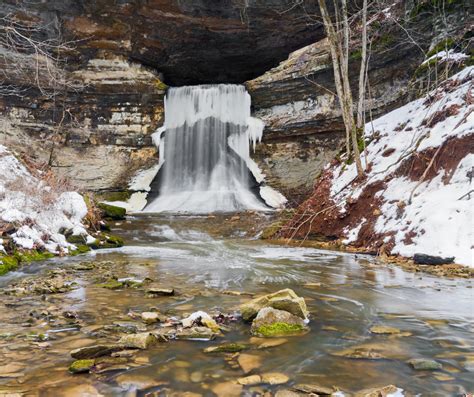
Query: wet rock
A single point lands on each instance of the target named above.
(268, 343)
(195, 333)
(142, 340)
(200, 318)
(227, 389)
(94, 351)
(285, 299)
(377, 392)
(314, 388)
(249, 362)
(81, 366)
(126, 327)
(250, 380)
(274, 323)
(112, 284)
(361, 353)
(424, 364)
(133, 381)
(275, 378)
(227, 348)
(289, 393)
(150, 317)
(11, 370)
(384, 330)
(422, 259)
(156, 290)
(196, 377)
(112, 211)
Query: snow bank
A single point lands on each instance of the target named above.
(37, 221)
(434, 215)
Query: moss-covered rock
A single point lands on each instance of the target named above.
(278, 329)
(76, 239)
(81, 366)
(32, 256)
(7, 263)
(112, 211)
(227, 348)
(111, 284)
(80, 249)
(106, 240)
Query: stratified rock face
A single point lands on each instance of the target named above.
(99, 133)
(303, 122)
(190, 41)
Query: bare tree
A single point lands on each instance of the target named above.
(338, 35)
(31, 57)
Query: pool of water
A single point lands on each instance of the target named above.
(215, 264)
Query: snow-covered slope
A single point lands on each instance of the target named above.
(35, 212)
(417, 196)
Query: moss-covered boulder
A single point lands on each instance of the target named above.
(285, 299)
(271, 323)
(112, 211)
(106, 240)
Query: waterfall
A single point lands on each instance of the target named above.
(204, 152)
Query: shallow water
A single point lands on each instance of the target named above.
(205, 258)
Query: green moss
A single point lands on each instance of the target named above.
(271, 230)
(8, 263)
(123, 195)
(32, 256)
(112, 211)
(81, 366)
(76, 239)
(81, 249)
(227, 348)
(106, 241)
(278, 329)
(111, 284)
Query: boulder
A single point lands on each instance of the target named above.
(142, 340)
(274, 323)
(285, 299)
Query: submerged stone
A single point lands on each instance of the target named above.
(285, 299)
(227, 348)
(249, 362)
(382, 329)
(111, 284)
(314, 389)
(275, 378)
(377, 391)
(424, 364)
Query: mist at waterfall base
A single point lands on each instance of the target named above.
(205, 152)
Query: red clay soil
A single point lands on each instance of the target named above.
(318, 218)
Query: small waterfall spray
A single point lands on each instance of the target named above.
(204, 151)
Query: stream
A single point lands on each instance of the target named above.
(215, 264)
